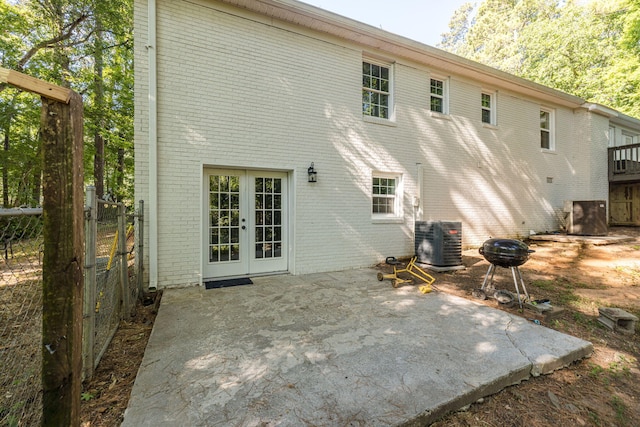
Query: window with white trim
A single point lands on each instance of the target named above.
(488, 108)
(628, 138)
(438, 101)
(376, 90)
(612, 136)
(385, 198)
(547, 140)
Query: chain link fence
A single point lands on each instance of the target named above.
(20, 316)
(111, 285)
(112, 269)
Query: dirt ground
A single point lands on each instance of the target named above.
(603, 390)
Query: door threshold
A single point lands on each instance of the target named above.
(246, 276)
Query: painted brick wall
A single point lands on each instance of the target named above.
(238, 90)
(141, 119)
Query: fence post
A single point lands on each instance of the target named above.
(63, 261)
(124, 264)
(140, 254)
(89, 323)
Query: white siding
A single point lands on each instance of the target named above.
(239, 90)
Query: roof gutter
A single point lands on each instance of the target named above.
(600, 109)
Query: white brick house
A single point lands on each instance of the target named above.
(236, 99)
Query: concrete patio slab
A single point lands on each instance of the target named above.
(331, 349)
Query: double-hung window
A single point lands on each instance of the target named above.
(546, 130)
(376, 90)
(488, 109)
(438, 91)
(386, 195)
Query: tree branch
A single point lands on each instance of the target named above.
(51, 42)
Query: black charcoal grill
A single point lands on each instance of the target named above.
(507, 253)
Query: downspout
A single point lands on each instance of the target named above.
(417, 199)
(153, 147)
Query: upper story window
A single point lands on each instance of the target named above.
(628, 138)
(438, 89)
(612, 136)
(547, 140)
(376, 90)
(619, 137)
(488, 108)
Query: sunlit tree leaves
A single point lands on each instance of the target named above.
(588, 49)
(61, 41)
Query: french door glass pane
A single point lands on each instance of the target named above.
(268, 215)
(224, 218)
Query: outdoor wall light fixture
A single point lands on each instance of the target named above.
(313, 175)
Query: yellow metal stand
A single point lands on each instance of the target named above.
(412, 269)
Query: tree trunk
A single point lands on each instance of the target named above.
(36, 179)
(63, 261)
(98, 162)
(5, 171)
(120, 175)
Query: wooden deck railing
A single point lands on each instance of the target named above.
(624, 163)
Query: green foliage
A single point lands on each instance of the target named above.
(588, 49)
(547, 285)
(619, 406)
(86, 396)
(631, 22)
(596, 371)
(61, 41)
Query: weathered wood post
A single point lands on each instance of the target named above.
(63, 262)
(63, 259)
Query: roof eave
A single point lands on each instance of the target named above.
(370, 37)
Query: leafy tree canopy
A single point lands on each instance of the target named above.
(589, 49)
(63, 42)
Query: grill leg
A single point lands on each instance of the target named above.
(524, 288)
(492, 270)
(513, 272)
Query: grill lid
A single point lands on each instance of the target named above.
(505, 252)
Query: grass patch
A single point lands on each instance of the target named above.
(595, 371)
(545, 285)
(584, 320)
(595, 419)
(620, 408)
(634, 272)
(621, 367)
(561, 292)
(568, 298)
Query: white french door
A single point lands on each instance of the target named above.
(245, 222)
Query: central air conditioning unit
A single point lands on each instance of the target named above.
(439, 244)
(586, 217)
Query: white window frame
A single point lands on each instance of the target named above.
(612, 136)
(397, 213)
(628, 138)
(550, 130)
(444, 97)
(388, 93)
(491, 108)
